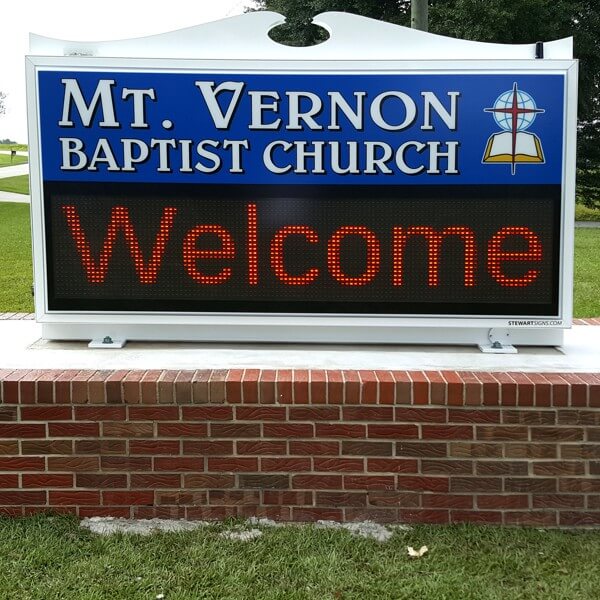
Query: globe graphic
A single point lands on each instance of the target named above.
(505, 100)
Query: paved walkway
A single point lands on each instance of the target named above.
(14, 171)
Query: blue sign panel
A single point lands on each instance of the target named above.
(301, 129)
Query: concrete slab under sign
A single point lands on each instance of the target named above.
(22, 348)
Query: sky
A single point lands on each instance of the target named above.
(79, 20)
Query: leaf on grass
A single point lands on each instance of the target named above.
(416, 553)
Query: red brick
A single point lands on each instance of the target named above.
(211, 513)
(132, 390)
(318, 386)
(250, 386)
(22, 430)
(530, 518)
(295, 464)
(525, 391)
(47, 447)
(179, 463)
(437, 388)
(361, 448)
(304, 514)
(420, 387)
(126, 463)
(207, 413)
(475, 516)
(368, 413)
(447, 501)
(21, 497)
(317, 482)
(96, 446)
(266, 387)
(535, 450)
(11, 480)
(473, 389)
(386, 387)
(558, 434)
(351, 387)
(233, 386)
(447, 467)
(339, 464)
(8, 413)
(490, 389)
(369, 387)
(557, 501)
(155, 480)
(476, 484)
(235, 430)
(208, 447)
(504, 467)
(341, 499)
(128, 498)
(403, 387)
(46, 413)
(183, 387)
(446, 432)
(260, 447)
(579, 417)
(208, 481)
(182, 429)
(287, 497)
(154, 447)
(128, 429)
(153, 413)
(284, 385)
(79, 429)
(72, 463)
(335, 387)
(560, 389)
(579, 389)
(558, 468)
(508, 389)
(114, 387)
(439, 517)
(234, 497)
(314, 413)
(420, 415)
(457, 415)
(529, 417)
(388, 431)
(579, 451)
(391, 465)
(159, 512)
(260, 413)
(200, 393)
(79, 388)
(579, 518)
(455, 390)
(314, 448)
(64, 497)
(399, 499)
(422, 449)
(101, 480)
(474, 450)
(263, 481)
(505, 502)
(44, 480)
(499, 433)
(423, 484)
(216, 385)
(583, 486)
(288, 430)
(301, 386)
(21, 463)
(530, 485)
(369, 482)
(9, 448)
(10, 387)
(100, 413)
(233, 464)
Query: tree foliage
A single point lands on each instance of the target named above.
(500, 21)
(2, 106)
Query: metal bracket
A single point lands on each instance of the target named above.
(499, 339)
(107, 342)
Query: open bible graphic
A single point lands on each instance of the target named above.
(514, 111)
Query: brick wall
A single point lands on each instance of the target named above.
(435, 447)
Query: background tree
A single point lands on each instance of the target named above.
(500, 21)
(2, 99)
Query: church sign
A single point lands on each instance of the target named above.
(236, 200)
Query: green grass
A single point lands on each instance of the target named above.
(17, 147)
(15, 258)
(16, 270)
(17, 185)
(583, 213)
(587, 273)
(5, 160)
(55, 559)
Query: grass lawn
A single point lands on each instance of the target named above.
(56, 559)
(16, 274)
(17, 185)
(17, 147)
(16, 271)
(5, 160)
